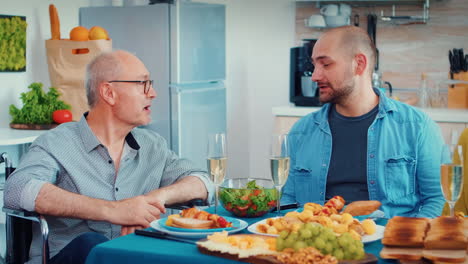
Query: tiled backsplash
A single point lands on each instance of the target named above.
(406, 51)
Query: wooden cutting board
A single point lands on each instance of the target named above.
(33, 126)
(272, 259)
(369, 259)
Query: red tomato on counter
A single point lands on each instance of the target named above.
(62, 116)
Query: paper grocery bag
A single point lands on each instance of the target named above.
(67, 62)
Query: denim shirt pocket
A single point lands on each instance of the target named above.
(303, 184)
(400, 173)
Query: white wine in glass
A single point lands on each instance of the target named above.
(217, 161)
(217, 169)
(279, 164)
(451, 175)
(279, 170)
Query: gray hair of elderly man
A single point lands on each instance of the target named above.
(105, 67)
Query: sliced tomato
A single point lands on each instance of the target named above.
(271, 203)
(242, 208)
(257, 192)
(222, 222)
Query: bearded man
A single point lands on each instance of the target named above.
(362, 145)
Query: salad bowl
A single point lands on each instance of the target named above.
(248, 197)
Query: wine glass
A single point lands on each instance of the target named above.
(451, 172)
(279, 164)
(216, 161)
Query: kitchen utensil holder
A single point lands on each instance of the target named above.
(458, 93)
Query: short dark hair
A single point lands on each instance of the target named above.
(356, 40)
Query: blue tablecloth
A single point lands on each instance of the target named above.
(140, 249)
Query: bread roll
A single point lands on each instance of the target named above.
(401, 253)
(191, 223)
(446, 233)
(405, 231)
(446, 256)
(361, 207)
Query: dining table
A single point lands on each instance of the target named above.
(143, 249)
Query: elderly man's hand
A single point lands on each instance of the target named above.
(137, 211)
(129, 229)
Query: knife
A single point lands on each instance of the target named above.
(286, 206)
(162, 235)
(466, 63)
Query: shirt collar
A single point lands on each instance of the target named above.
(90, 141)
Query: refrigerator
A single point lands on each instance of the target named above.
(183, 46)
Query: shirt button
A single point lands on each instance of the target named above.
(116, 189)
(372, 182)
(371, 155)
(110, 161)
(324, 165)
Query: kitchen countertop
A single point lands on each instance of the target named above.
(437, 114)
(10, 136)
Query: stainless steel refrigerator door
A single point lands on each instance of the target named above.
(144, 31)
(198, 110)
(198, 42)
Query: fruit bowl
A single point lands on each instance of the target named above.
(248, 197)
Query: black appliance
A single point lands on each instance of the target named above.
(303, 91)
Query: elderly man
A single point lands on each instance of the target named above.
(102, 177)
(362, 145)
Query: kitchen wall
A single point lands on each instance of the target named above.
(38, 30)
(259, 35)
(408, 50)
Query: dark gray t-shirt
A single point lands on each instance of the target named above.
(347, 174)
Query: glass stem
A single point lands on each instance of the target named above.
(452, 208)
(216, 198)
(278, 198)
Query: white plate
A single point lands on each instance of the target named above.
(365, 239)
(379, 231)
(195, 235)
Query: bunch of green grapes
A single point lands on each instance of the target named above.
(343, 247)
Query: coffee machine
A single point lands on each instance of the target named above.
(303, 91)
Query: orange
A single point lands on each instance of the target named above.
(79, 34)
(97, 32)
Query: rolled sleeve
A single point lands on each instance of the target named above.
(29, 194)
(23, 185)
(208, 184)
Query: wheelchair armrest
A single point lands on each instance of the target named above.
(32, 216)
(188, 204)
(21, 224)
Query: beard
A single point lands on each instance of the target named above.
(338, 94)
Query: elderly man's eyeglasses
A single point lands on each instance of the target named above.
(146, 84)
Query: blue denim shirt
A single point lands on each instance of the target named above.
(403, 160)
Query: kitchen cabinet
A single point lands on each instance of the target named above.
(424, 4)
(447, 119)
(369, 2)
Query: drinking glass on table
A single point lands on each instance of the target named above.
(451, 172)
(216, 161)
(279, 164)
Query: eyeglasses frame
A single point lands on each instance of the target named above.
(145, 83)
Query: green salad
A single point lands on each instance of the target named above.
(251, 201)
